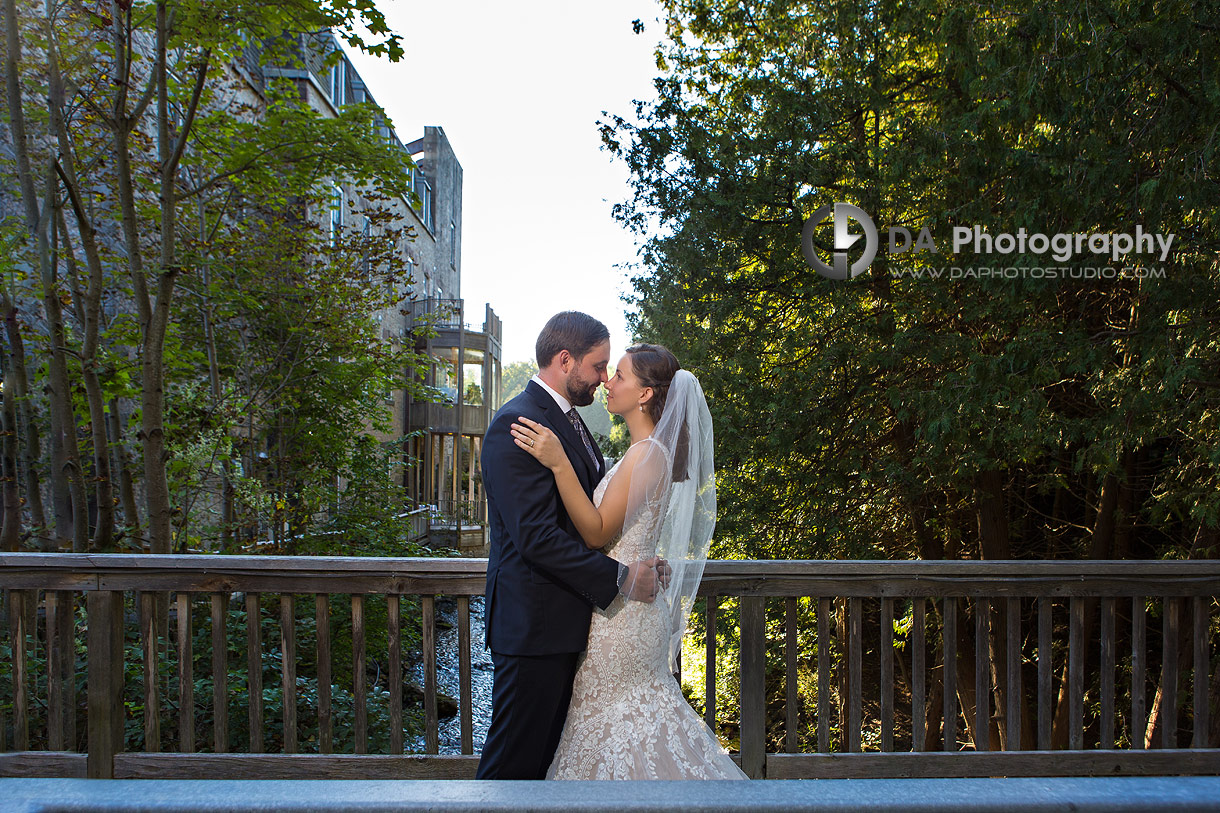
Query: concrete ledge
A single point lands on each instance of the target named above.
(1191, 793)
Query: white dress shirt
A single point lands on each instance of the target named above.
(565, 406)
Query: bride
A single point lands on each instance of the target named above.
(628, 718)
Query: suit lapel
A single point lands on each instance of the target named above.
(567, 435)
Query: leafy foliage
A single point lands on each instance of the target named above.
(879, 416)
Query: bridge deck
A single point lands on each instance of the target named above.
(1162, 794)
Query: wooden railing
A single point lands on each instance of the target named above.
(826, 624)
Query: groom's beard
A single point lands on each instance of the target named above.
(580, 393)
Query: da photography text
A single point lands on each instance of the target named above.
(1060, 247)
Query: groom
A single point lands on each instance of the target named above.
(542, 581)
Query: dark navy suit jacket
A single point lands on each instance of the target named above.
(542, 581)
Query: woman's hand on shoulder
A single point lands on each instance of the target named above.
(540, 442)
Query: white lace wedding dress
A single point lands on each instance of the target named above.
(628, 718)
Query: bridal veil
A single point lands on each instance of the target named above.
(673, 488)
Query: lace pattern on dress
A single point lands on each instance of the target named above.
(628, 718)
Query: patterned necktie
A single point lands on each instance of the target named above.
(584, 436)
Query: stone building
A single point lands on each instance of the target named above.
(443, 436)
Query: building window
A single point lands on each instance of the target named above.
(421, 187)
(366, 235)
(338, 82)
(452, 244)
(336, 215)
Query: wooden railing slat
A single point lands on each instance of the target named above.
(149, 648)
(394, 632)
(949, 646)
(55, 701)
(326, 720)
(1201, 632)
(823, 675)
(105, 700)
(855, 648)
(792, 694)
(220, 675)
(753, 688)
(1169, 673)
(359, 679)
(66, 633)
(288, 670)
(465, 692)
(1139, 654)
(919, 674)
(887, 674)
(1045, 661)
(186, 676)
(1107, 673)
(982, 675)
(709, 679)
(20, 671)
(1076, 675)
(1014, 697)
(254, 670)
(431, 721)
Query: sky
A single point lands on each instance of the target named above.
(518, 89)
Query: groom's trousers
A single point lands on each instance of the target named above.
(529, 703)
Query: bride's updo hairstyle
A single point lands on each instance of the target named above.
(655, 367)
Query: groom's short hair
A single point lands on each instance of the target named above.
(573, 331)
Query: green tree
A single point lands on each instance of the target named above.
(515, 376)
(141, 179)
(899, 415)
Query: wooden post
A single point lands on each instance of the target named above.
(105, 704)
(753, 687)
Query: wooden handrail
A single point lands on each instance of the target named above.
(726, 577)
